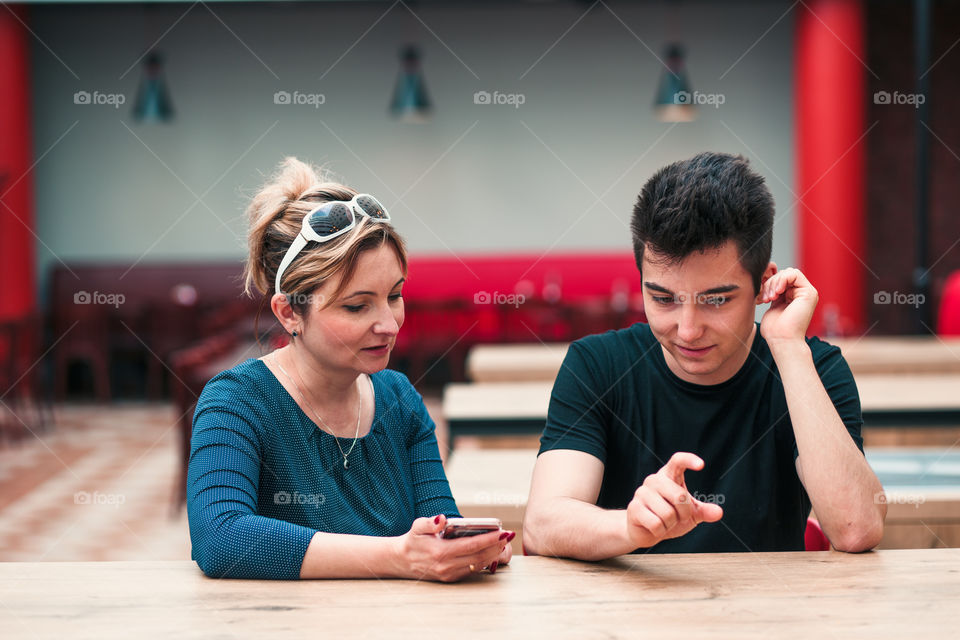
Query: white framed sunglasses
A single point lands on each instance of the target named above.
(328, 220)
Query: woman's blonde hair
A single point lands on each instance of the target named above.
(276, 217)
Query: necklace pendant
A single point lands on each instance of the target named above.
(346, 463)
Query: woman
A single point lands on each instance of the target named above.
(314, 461)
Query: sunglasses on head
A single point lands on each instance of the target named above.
(328, 220)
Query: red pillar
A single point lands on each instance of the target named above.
(17, 290)
(831, 150)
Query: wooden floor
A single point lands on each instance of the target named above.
(95, 486)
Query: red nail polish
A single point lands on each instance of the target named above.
(493, 567)
(513, 534)
(436, 520)
(504, 534)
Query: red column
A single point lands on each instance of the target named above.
(831, 151)
(17, 291)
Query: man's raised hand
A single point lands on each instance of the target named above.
(663, 508)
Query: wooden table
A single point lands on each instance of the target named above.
(498, 408)
(922, 486)
(886, 594)
(493, 483)
(868, 355)
(533, 362)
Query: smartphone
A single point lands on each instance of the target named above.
(464, 527)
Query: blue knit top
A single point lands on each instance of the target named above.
(263, 478)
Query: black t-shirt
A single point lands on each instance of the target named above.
(616, 399)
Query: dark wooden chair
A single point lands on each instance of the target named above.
(26, 406)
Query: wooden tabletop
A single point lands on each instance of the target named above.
(867, 355)
(885, 594)
(922, 487)
(911, 397)
(515, 362)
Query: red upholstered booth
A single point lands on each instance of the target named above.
(948, 317)
(454, 302)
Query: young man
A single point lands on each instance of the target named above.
(765, 422)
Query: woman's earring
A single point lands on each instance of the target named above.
(294, 333)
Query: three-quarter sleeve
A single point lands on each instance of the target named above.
(230, 540)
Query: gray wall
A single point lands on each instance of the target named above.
(559, 173)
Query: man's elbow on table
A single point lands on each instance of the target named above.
(547, 531)
(533, 528)
(858, 537)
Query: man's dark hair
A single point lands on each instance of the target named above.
(700, 204)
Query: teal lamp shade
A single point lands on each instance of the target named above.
(674, 101)
(153, 100)
(410, 100)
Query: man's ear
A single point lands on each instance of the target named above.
(768, 273)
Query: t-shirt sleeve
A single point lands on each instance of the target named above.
(838, 381)
(577, 417)
(230, 540)
(430, 486)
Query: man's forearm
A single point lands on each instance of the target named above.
(840, 483)
(571, 528)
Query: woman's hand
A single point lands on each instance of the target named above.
(505, 555)
(422, 554)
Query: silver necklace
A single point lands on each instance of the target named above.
(336, 440)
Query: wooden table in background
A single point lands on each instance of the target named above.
(493, 483)
(498, 408)
(885, 594)
(922, 489)
(868, 355)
